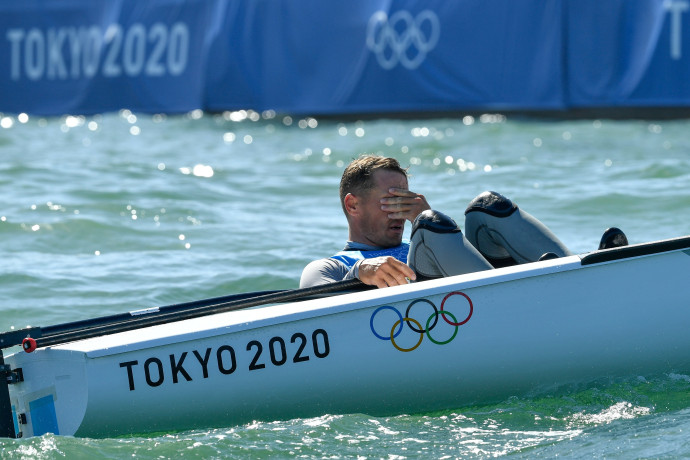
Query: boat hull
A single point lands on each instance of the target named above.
(429, 346)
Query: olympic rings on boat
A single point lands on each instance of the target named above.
(387, 307)
(397, 327)
(407, 314)
(469, 315)
(421, 336)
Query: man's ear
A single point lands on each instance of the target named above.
(351, 204)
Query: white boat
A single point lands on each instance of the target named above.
(428, 346)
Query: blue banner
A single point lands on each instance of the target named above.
(331, 57)
(634, 54)
(76, 56)
(380, 56)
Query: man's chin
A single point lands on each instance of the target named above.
(393, 242)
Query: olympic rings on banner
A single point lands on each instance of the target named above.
(397, 327)
(391, 38)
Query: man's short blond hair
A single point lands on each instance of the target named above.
(358, 177)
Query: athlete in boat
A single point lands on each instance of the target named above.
(376, 201)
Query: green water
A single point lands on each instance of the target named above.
(113, 213)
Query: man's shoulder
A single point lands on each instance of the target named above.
(325, 263)
(322, 271)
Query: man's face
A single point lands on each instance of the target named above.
(372, 225)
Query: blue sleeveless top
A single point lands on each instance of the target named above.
(352, 256)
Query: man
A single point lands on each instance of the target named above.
(376, 200)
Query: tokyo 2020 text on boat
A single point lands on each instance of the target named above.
(432, 345)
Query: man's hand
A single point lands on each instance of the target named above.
(404, 204)
(385, 271)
